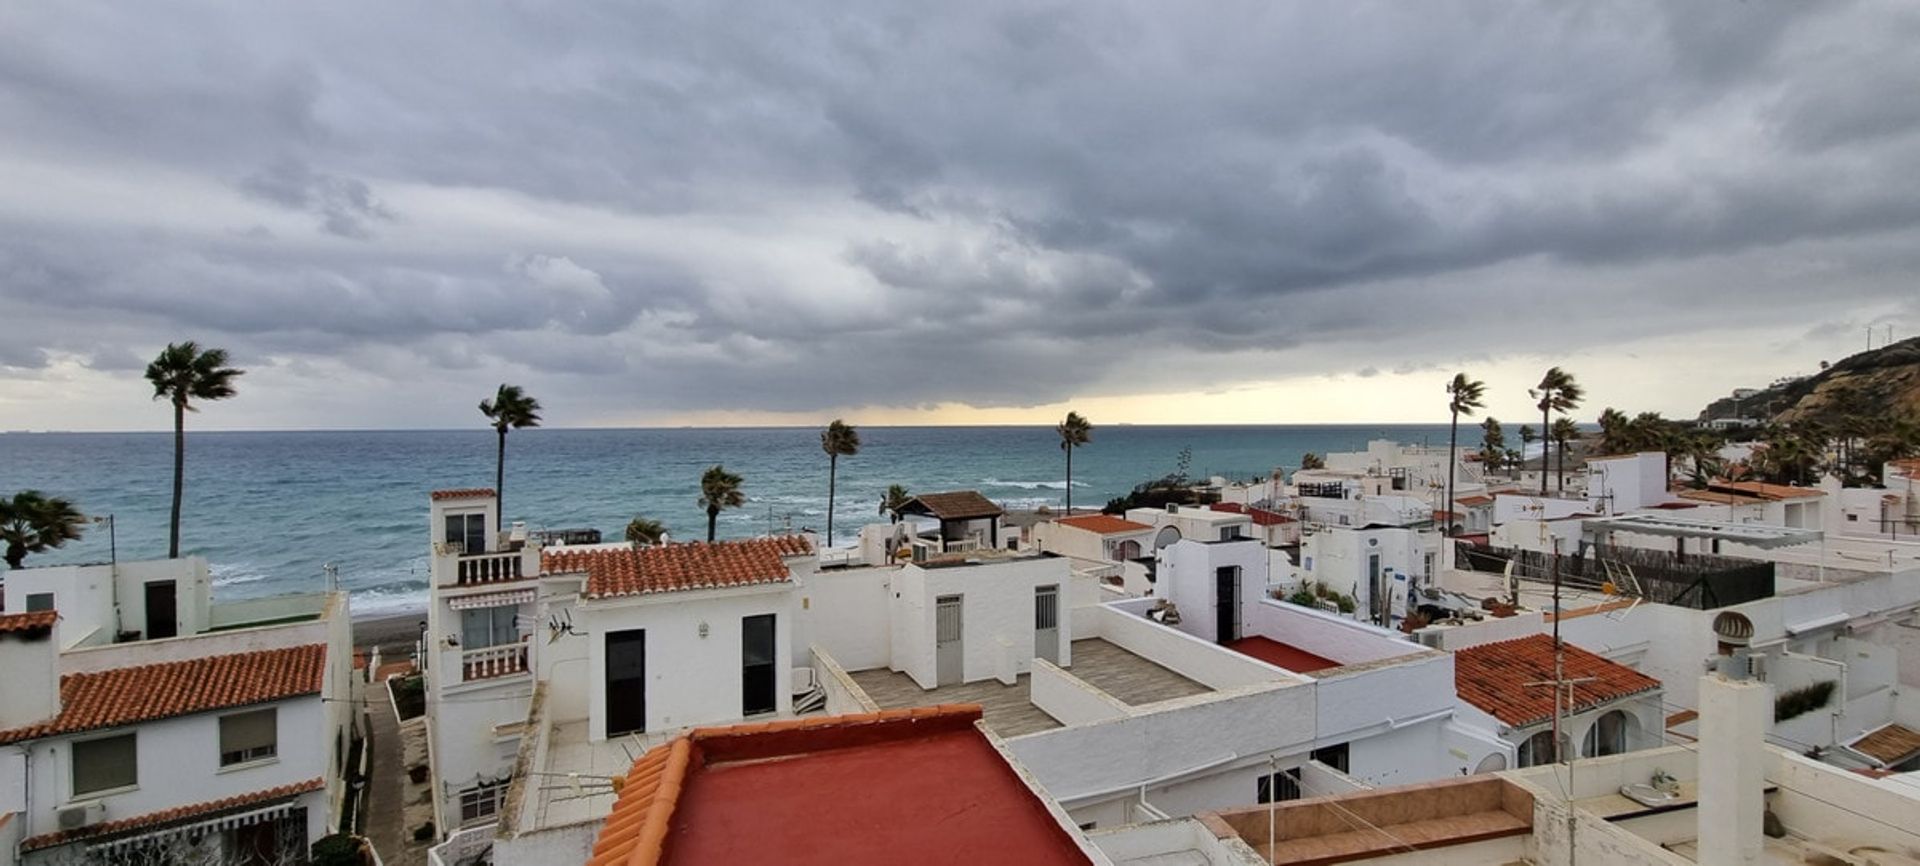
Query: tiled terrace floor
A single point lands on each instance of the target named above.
(1009, 711)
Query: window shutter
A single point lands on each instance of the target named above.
(104, 764)
(248, 736)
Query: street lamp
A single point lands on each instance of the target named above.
(113, 543)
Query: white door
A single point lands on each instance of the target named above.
(948, 655)
(1046, 623)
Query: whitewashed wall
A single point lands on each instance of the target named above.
(1121, 624)
(846, 613)
(1327, 635)
(178, 764)
(997, 611)
(86, 596)
(691, 680)
(1187, 578)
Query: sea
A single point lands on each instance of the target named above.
(284, 512)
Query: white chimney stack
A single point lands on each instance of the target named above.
(29, 669)
(1734, 710)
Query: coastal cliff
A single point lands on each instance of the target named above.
(1875, 382)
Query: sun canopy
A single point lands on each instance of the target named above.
(1759, 535)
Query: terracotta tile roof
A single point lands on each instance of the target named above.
(1494, 677)
(868, 787)
(1476, 499)
(124, 696)
(1892, 744)
(620, 571)
(1104, 524)
(1720, 497)
(464, 493)
(1261, 516)
(957, 505)
(178, 814)
(28, 623)
(1769, 492)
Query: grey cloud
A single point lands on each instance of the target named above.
(1032, 195)
(344, 205)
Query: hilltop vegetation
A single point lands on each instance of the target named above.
(1880, 382)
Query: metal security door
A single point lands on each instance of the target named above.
(948, 657)
(1226, 604)
(1046, 623)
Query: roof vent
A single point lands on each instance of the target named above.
(1735, 633)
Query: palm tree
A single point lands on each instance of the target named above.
(1493, 443)
(1526, 441)
(645, 530)
(719, 489)
(1074, 432)
(838, 440)
(1557, 392)
(510, 409)
(1463, 396)
(32, 522)
(1562, 432)
(183, 373)
(891, 501)
(1613, 432)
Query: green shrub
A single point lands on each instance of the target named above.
(338, 849)
(409, 696)
(1346, 603)
(1303, 598)
(1802, 700)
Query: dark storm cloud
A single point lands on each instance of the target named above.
(787, 206)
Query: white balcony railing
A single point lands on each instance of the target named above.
(462, 846)
(493, 661)
(481, 568)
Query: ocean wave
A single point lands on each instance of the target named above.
(1030, 485)
(389, 600)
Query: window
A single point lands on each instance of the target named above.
(39, 601)
(249, 736)
(1332, 756)
(481, 802)
(468, 532)
(488, 626)
(1279, 787)
(1229, 533)
(104, 764)
(1537, 750)
(1608, 736)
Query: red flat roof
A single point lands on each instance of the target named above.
(1281, 655)
(901, 786)
(1104, 524)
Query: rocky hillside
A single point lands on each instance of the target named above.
(1883, 380)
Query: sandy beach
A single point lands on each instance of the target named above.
(395, 634)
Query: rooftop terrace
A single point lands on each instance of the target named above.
(1009, 710)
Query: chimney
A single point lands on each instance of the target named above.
(1734, 709)
(29, 669)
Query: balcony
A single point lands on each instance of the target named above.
(484, 568)
(493, 661)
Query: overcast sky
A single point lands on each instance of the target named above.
(711, 212)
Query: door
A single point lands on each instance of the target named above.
(163, 616)
(1226, 604)
(1377, 599)
(948, 661)
(626, 681)
(1046, 623)
(756, 665)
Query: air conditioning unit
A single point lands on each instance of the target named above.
(81, 815)
(1431, 639)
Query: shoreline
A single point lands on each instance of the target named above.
(394, 633)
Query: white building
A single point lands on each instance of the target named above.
(227, 738)
(1382, 568)
(1197, 522)
(1506, 697)
(1095, 538)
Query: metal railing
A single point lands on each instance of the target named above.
(494, 661)
(481, 568)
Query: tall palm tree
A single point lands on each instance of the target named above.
(1074, 432)
(645, 530)
(1463, 396)
(1526, 441)
(719, 489)
(1613, 432)
(1557, 392)
(838, 440)
(891, 501)
(1562, 432)
(183, 373)
(510, 409)
(1493, 443)
(32, 522)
